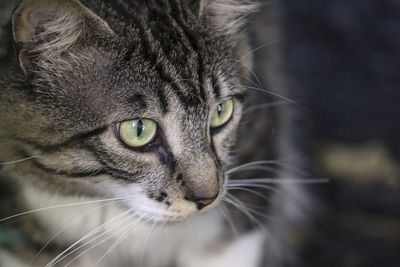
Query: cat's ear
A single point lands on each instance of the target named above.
(227, 16)
(44, 28)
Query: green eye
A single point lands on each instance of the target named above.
(222, 113)
(137, 133)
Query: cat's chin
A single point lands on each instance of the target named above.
(176, 213)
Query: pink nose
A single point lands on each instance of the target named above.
(201, 201)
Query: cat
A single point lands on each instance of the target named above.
(118, 123)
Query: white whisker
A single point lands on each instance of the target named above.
(242, 208)
(247, 79)
(279, 181)
(259, 47)
(247, 207)
(65, 228)
(273, 169)
(248, 190)
(261, 162)
(145, 243)
(273, 189)
(248, 68)
(253, 108)
(272, 93)
(118, 241)
(99, 228)
(98, 243)
(228, 218)
(63, 206)
(17, 161)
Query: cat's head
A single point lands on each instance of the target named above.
(138, 100)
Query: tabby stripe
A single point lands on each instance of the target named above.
(124, 9)
(74, 174)
(193, 42)
(107, 169)
(215, 86)
(146, 44)
(70, 141)
(177, 31)
(80, 174)
(77, 174)
(184, 97)
(115, 173)
(104, 159)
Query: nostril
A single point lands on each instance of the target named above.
(205, 202)
(201, 202)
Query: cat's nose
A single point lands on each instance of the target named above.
(201, 201)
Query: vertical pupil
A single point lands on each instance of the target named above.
(139, 128)
(219, 109)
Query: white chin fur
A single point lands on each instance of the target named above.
(188, 242)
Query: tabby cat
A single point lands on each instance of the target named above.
(117, 124)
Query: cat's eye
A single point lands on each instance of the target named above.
(138, 132)
(222, 113)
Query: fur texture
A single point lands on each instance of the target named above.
(71, 72)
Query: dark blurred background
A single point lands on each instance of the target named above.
(340, 62)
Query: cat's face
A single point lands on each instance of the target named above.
(142, 104)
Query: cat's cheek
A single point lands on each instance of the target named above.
(134, 200)
(159, 205)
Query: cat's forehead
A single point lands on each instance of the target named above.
(160, 59)
(155, 96)
(162, 36)
(162, 46)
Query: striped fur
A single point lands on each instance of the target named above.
(83, 67)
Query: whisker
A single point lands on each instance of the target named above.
(98, 243)
(273, 169)
(65, 228)
(279, 181)
(228, 218)
(273, 189)
(243, 209)
(99, 228)
(259, 47)
(247, 79)
(248, 68)
(272, 93)
(145, 244)
(253, 108)
(63, 206)
(246, 207)
(118, 241)
(261, 162)
(17, 161)
(253, 163)
(248, 190)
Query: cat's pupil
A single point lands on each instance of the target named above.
(219, 109)
(139, 128)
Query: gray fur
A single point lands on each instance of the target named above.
(71, 71)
